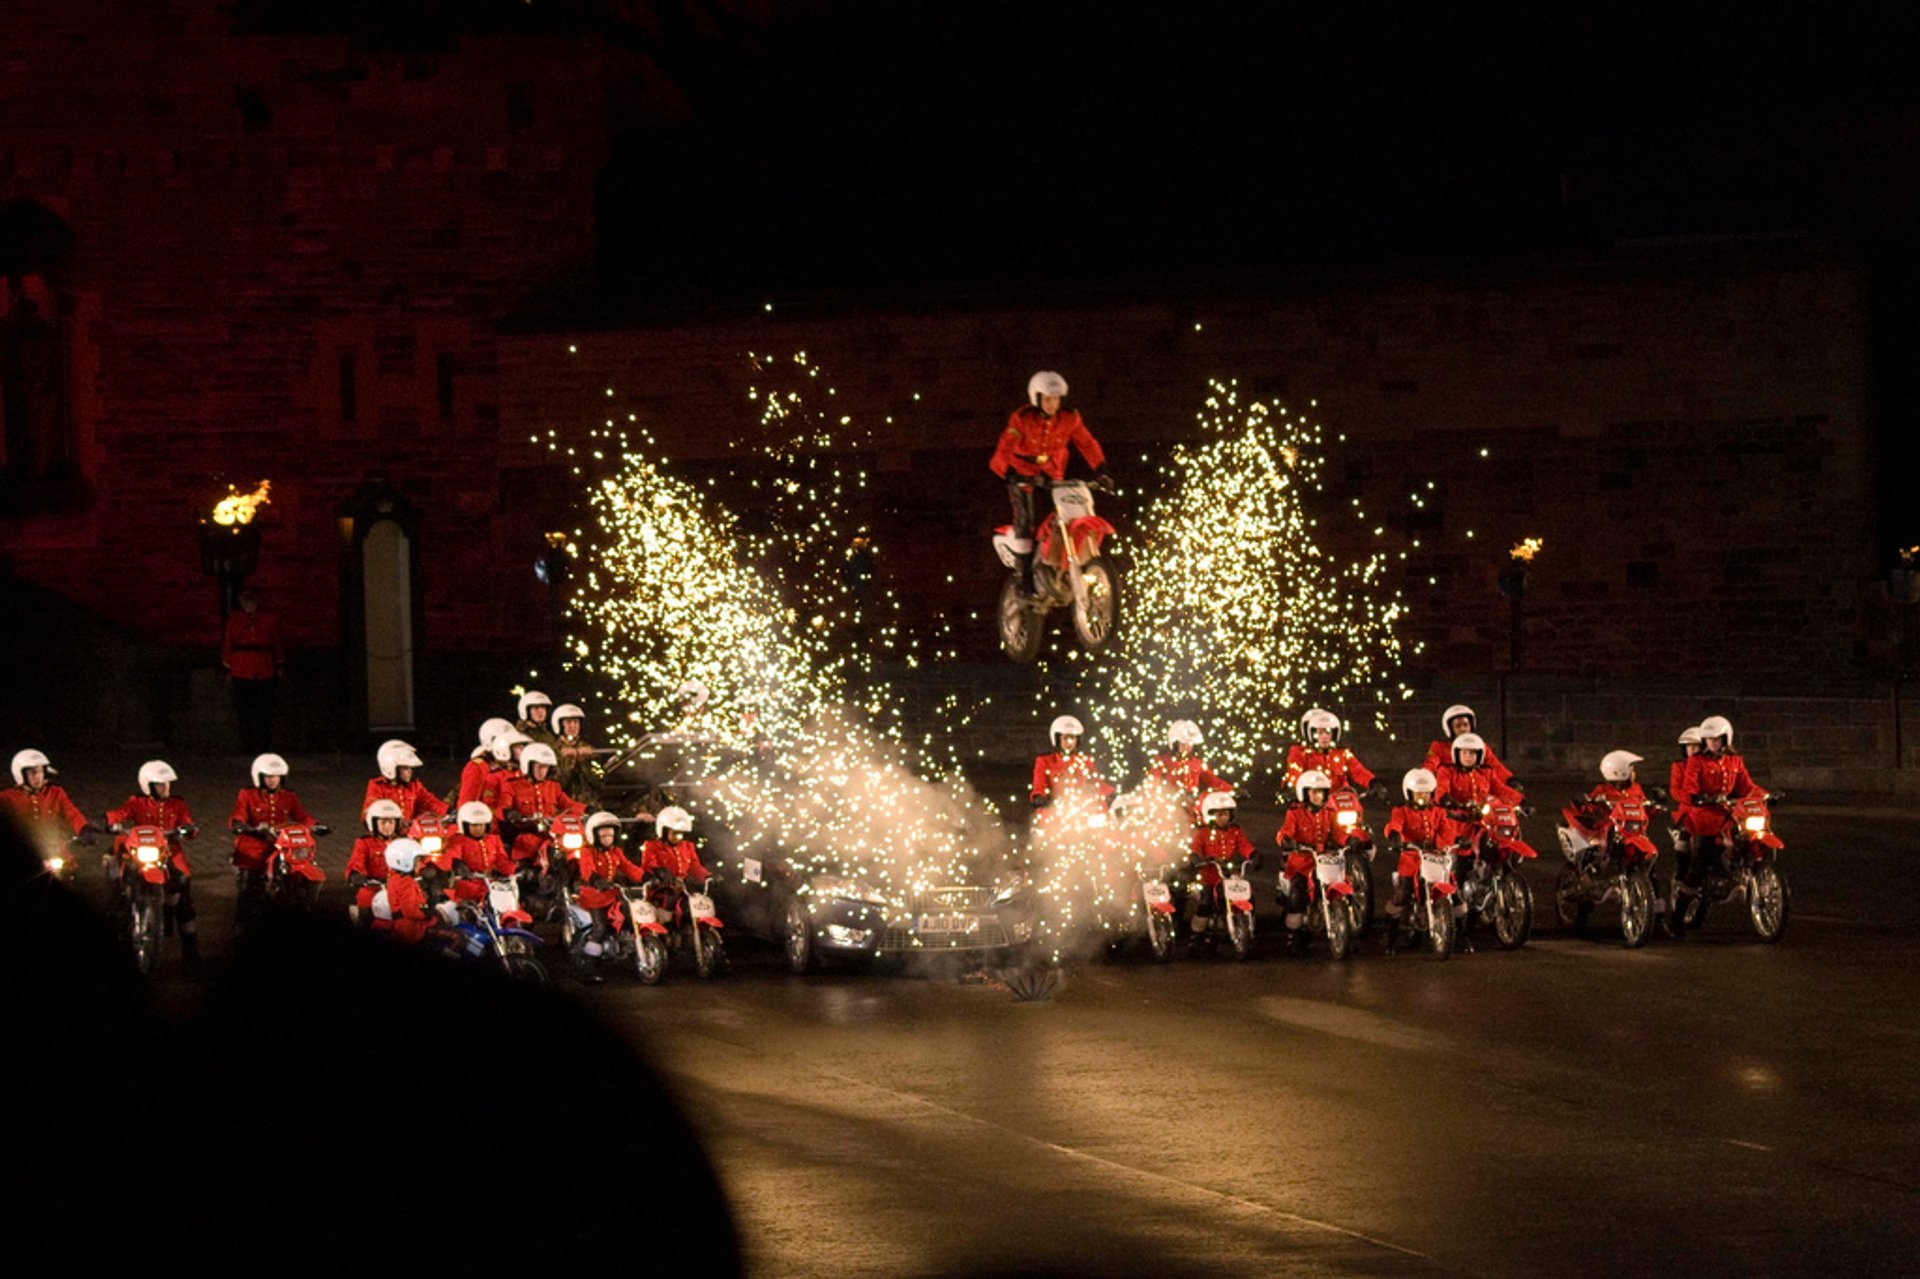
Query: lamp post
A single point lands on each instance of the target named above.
(1513, 585)
(230, 542)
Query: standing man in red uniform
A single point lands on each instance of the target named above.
(1033, 449)
(252, 654)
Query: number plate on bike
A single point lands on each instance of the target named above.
(700, 905)
(1237, 889)
(1157, 894)
(1433, 867)
(1331, 867)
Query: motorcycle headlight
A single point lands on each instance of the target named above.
(1346, 818)
(572, 841)
(56, 864)
(147, 853)
(1096, 820)
(431, 843)
(1756, 824)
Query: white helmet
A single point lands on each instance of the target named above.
(1312, 779)
(489, 730)
(1216, 800)
(382, 808)
(503, 744)
(402, 853)
(529, 700)
(1419, 781)
(1469, 742)
(604, 818)
(1455, 712)
(1690, 736)
(26, 759)
(1617, 766)
(567, 712)
(1716, 726)
(1065, 726)
(1045, 383)
(693, 694)
(268, 765)
(1317, 718)
(156, 770)
(539, 753)
(1183, 731)
(474, 813)
(674, 817)
(394, 756)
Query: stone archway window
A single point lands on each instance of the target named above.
(38, 453)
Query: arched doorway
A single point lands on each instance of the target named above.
(380, 608)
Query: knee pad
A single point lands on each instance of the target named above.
(1296, 920)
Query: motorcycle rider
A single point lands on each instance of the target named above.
(1183, 769)
(476, 852)
(579, 771)
(1219, 840)
(41, 804)
(1675, 798)
(1308, 828)
(155, 804)
(1034, 448)
(1319, 751)
(532, 802)
(257, 811)
(1619, 782)
(1464, 787)
(1418, 823)
(670, 860)
(396, 782)
(600, 865)
(1064, 772)
(475, 777)
(535, 708)
(1710, 779)
(366, 865)
(411, 913)
(1458, 720)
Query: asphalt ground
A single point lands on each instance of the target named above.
(1715, 1105)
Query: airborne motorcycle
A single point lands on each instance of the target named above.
(1068, 572)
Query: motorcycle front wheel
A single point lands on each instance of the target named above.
(146, 931)
(1360, 876)
(709, 952)
(1160, 935)
(525, 968)
(1240, 933)
(1022, 626)
(1339, 919)
(1440, 926)
(1769, 902)
(649, 959)
(1512, 907)
(1636, 911)
(1095, 623)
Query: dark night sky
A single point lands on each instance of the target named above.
(917, 144)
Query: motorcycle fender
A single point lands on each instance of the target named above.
(308, 871)
(1245, 906)
(1771, 840)
(1517, 848)
(1086, 533)
(154, 874)
(661, 929)
(1162, 908)
(521, 933)
(1340, 890)
(517, 919)
(709, 922)
(1442, 890)
(1642, 845)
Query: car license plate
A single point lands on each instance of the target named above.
(948, 923)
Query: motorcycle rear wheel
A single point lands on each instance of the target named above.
(1769, 902)
(1096, 623)
(1636, 911)
(1512, 909)
(1022, 627)
(1569, 906)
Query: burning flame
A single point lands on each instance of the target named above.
(238, 508)
(1525, 551)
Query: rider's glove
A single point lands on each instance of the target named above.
(1042, 801)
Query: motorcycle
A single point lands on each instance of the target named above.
(1493, 887)
(1226, 906)
(1430, 914)
(1609, 858)
(496, 930)
(293, 870)
(700, 927)
(1330, 907)
(1742, 863)
(141, 869)
(1156, 896)
(1347, 815)
(644, 939)
(1068, 572)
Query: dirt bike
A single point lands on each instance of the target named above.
(644, 937)
(1609, 858)
(1156, 895)
(1493, 887)
(699, 929)
(142, 873)
(1430, 913)
(293, 871)
(1225, 905)
(496, 930)
(1351, 820)
(1742, 862)
(1330, 907)
(1068, 572)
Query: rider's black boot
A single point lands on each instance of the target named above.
(1393, 935)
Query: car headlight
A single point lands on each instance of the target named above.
(1756, 824)
(845, 888)
(1006, 895)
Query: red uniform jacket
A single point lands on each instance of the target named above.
(1711, 777)
(251, 648)
(481, 780)
(599, 867)
(1471, 787)
(368, 857)
(256, 807)
(1429, 827)
(413, 797)
(483, 856)
(681, 860)
(1035, 444)
(1312, 828)
(141, 810)
(1218, 844)
(412, 916)
(537, 799)
(1440, 755)
(1342, 767)
(48, 806)
(1190, 774)
(1057, 776)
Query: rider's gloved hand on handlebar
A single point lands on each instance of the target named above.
(1042, 801)
(1103, 480)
